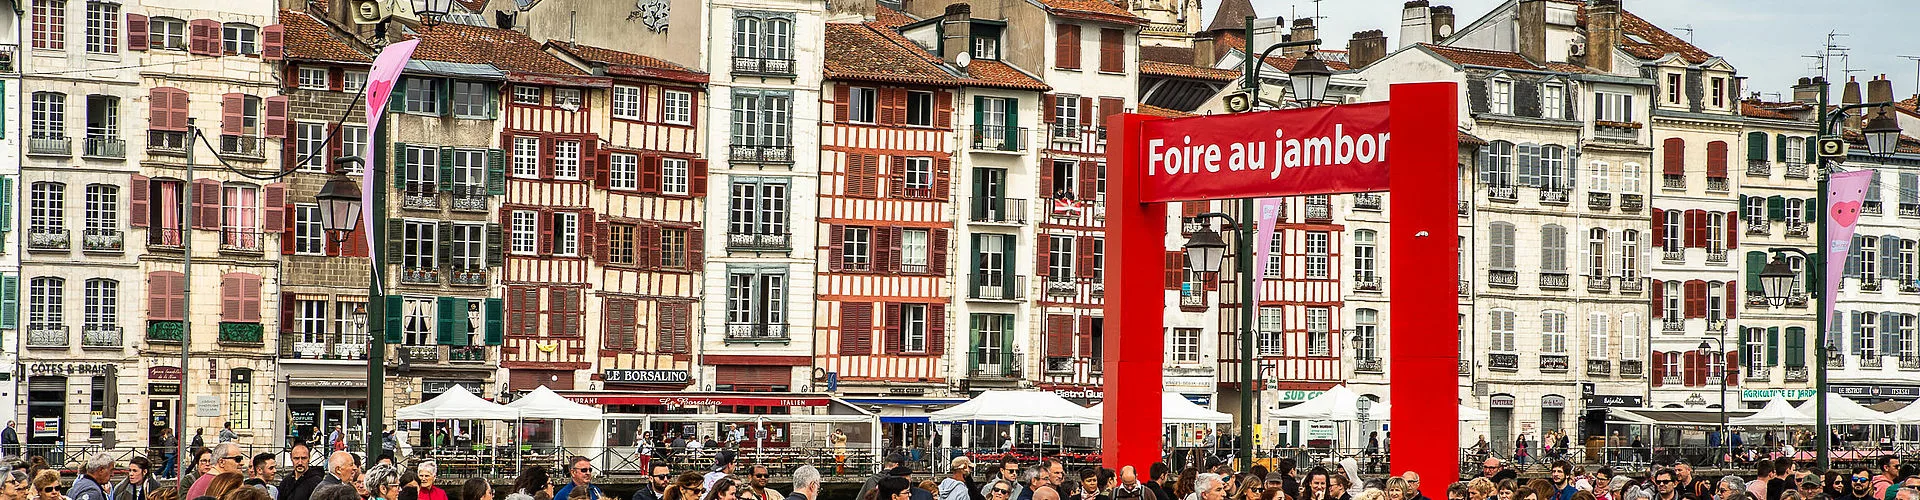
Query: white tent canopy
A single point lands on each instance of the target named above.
(1908, 415)
(1017, 406)
(1778, 412)
(1338, 403)
(1176, 409)
(543, 403)
(1841, 410)
(1384, 411)
(457, 404)
(1471, 414)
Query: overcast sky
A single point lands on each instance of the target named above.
(1765, 39)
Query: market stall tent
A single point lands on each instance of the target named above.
(1842, 410)
(1017, 406)
(1778, 412)
(579, 426)
(457, 404)
(1176, 409)
(1907, 415)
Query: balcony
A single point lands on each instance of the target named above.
(762, 66)
(467, 354)
(1466, 367)
(1599, 284)
(996, 287)
(1190, 225)
(1503, 361)
(1366, 282)
(999, 211)
(1798, 171)
(165, 331)
(1798, 300)
(1797, 229)
(103, 147)
(1757, 298)
(1869, 283)
(1796, 374)
(420, 197)
(1555, 281)
(9, 53)
(102, 241)
(242, 240)
(244, 334)
(324, 347)
(1717, 256)
(420, 275)
(49, 145)
(1194, 299)
(46, 335)
(1716, 325)
(1870, 207)
(1062, 287)
(1366, 201)
(760, 154)
(1553, 363)
(1759, 168)
(1672, 325)
(243, 146)
(57, 239)
(1907, 285)
(1871, 360)
(1632, 203)
(1507, 278)
(1671, 181)
(999, 138)
(467, 277)
(1367, 365)
(1465, 206)
(1909, 209)
(1555, 196)
(757, 242)
(1099, 287)
(1318, 211)
(1632, 284)
(1466, 287)
(109, 336)
(1630, 367)
(1909, 363)
(1718, 184)
(469, 198)
(1599, 368)
(167, 142)
(756, 332)
(1599, 201)
(419, 354)
(1503, 193)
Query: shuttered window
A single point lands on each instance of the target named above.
(1113, 50)
(1066, 46)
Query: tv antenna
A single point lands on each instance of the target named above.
(1916, 73)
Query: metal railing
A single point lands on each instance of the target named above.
(1503, 193)
(1716, 325)
(98, 335)
(1503, 361)
(1872, 360)
(1599, 284)
(1196, 298)
(1632, 285)
(762, 66)
(1556, 195)
(160, 331)
(324, 346)
(102, 240)
(49, 238)
(1796, 374)
(1466, 287)
(1366, 201)
(1756, 373)
(172, 142)
(1555, 280)
(103, 147)
(467, 277)
(755, 332)
(1553, 363)
(1672, 324)
(427, 354)
(759, 241)
(1318, 210)
(468, 353)
(420, 195)
(9, 52)
(46, 335)
(420, 275)
(1168, 28)
(51, 145)
(1599, 368)
(245, 146)
(1503, 277)
(1631, 367)
(1869, 283)
(999, 138)
(1465, 206)
(1366, 282)
(1599, 201)
(1718, 184)
(1716, 256)
(1797, 229)
(1062, 286)
(1759, 226)
(760, 154)
(1870, 207)
(241, 240)
(469, 198)
(165, 238)
(245, 334)
(1671, 181)
(1759, 168)
(1909, 209)
(1008, 210)
(1466, 366)
(1798, 171)
(1367, 365)
(1009, 365)
(996, 287)
(1630, 202)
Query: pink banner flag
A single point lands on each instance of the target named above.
(380, 81)
(1269, 210)
(1845, 191)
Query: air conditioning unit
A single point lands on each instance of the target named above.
(1577, 49)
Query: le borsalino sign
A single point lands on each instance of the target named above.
(612, 376)
(1329, 149)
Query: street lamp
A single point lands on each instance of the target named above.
(1883, 134)
(430, 11)
(1777, 280)
(1206, 252)
(1309, 79)
(1726, 442)
(339, 201)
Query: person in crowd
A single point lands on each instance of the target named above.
(46, 485)
(224, 483)
(1560, 474)
(139, 483)
(954, 486)
(1507, 488)
(1183, 484)
(1859, 485)
(1010, 473)
(1666, 485)
(1459, 491)
(1481, 488)
(806, 484)
(382, 482)
(1209, 486)
(428, 473)
(534, 482)
(1040, 484)
(199, 439)
(656, 486)
(1314, 485)
(1602, 483)
(1524, 493)
(686, 486)
(1413, 485)
(1698, 488)
(229, 459)
(886, 465)
(1730, 487)
(1543, 489)
(335, 491)
(1158, 475)
(226, 433)
(243, 492)
(202, 462)
(1337, 487)
(1395, 489)
(756, 485)
(1762, 474)
(92, 483)
(1130, 487)
(580, 475)
(1889, 466)
(1089, 487)
(997, 489)
(262, 473)
(1810, 489)
(169, 452)
(16, 485)
(479, 489)
(722, 489)
(722, 468)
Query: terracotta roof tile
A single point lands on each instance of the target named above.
(1283, 63)
(1477, 57)
(474, 6)
(1097, 10)
(1749, 110)
(1468, 139)
(1157, 68)
(1152, 110)
(1659, 41)
(892, 18)
(630, 64)
(505, 49)
(873, 53)
(989, 73)
(1176, 55)
(308, 38)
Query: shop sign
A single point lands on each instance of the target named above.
(1500, 401)
(1203, 400)
(1320, 429)
(1882, 391)
(612, 376)
(1080, 393)
(439, 386)
(71, 368)
(326, 383)
(1299, 396)
(1616, 401)
(672, 401)
(906, 391)
(1553, 401)
(206, 406)
(163, 373)
(1852, 390)
(46, 427)
(163, 389)
(1766, 394)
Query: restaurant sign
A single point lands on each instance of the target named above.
(614, 376)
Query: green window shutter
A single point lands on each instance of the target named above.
(1773, 346)
(493, 101)
(399, 95)
(6, 202)
(1796, 346)
(1813, 150)
(398, 168)
(496, 172)
(494, 250)
(973, 354)
(1009, 244)
(10, 302)
(1780, 147)
(1776, 208)
(1755, 261)
(980, 191)
(1757, 146)
(446, 96)
(495, 322)
(1013, 119)
(462, 324)
(395, 304)
(446, 168)
(396, 241)
(979, 119)
(443, 332)
(446, 244)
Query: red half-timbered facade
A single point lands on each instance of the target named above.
(1070, 242)
(1298, 327)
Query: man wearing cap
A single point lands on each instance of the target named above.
(905, 472)
(722, 467)
(954, 487)
(894, 460)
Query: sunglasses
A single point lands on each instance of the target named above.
(238, 458)
(760, 476)
(1002, 491)
(583, 469)
(662, 476)
(1861, 479)
(50, 489)
(1665, 481)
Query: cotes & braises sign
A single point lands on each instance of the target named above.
(1319, 150)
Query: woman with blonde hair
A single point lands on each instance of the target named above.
(1396, 489)
(1481, 488)
(46, 485)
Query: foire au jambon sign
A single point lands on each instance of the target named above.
(1290, 152)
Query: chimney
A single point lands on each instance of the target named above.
(956, 31)
(1603, 34)
(1850, 95)
(1203, 50)
(1303, 30)
(1442, 22)
(1533, 30)
(1880, 90)
(1366, 47)
(1805, 91)
(1416, 23)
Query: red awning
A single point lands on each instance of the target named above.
(685, 399)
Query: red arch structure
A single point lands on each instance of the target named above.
(1318, 150)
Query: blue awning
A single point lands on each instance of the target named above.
(903, 420)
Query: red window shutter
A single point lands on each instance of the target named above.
(1733, 230)
(1191, 209)
(1086, 112)
(229, 297)
(1083, 252)
(1084, 336)
(137, 194)
(1659, 227)
(232, 113)
(1173, 269)
(1732, 298)
(273, 208)
(1066, 46)
(1042, 247)
(880, 249)
(895, 342)
(585, 232)
(516, 306)
(545, 221)
(1696, 299)
(250, 298)
(1717, 159)
(936, 329)
(556, 305)
(937, 259)
(897, 176)
(273, 42)
(1059, 336)
(1674, 155)
(895, 243)
(841, 97)
(1659, 298)
(943, 178)
(206, 204)
(590, 158)
(1047, 111)
(136, 32)
(697, 185)
(287, 305)
(943, 109)
(856, 328)
(1112, 52)
(203, 39)
(696, 249)
(157, 295)
(836, 247)
(178, 108)
(601, 241)
(1110, 106)
(1688, 222)
(356, 244)
(602, 175)
(649, 246)
(1659, 370)
(650, 179)
(1088, 170)
(158, 110)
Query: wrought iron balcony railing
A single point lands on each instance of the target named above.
(103, 147)
(1503, 278)
(1556, 195)
(1632, 285)
(1366, 282)
(243, 146)
(1366, 201)
(46, 238)
(1759, 168)
(1797, 229)
(49, 145)
(999, 138)
(167, 142)
(1553, 363)
(98, 335)
(102, 240)
(1367, 365)
(1670, 181)
(756, 332)
(1599, 201)
(1631, 203)
(46, 335)
(420, 275)
(996, 287)
(759, 242)
(1503, 193)
(1759, 226)
(1798, 171)
(999, 211)
(1503, 361)
(760, 154)
(1557, 280)
(1599, 284)
(762, 66)
(1718, 184)
(1599, 368)
(1631, 367)
(1796, 374)
(324, 346)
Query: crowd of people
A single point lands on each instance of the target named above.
(1775, 479)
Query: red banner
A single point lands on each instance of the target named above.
(1289, 152)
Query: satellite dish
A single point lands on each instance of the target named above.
(963, 59)
(1445, 31)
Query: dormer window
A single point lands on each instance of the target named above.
(1553, 101)
(986, 41)
(1673, 88)
(1718, 89)
(1502, 96)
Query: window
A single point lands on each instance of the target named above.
(1630, 178)
(1869, 264)
(1319, 337)
(103, 28)
(1716, 301)
(420, 244)
(674, 176)
(312, 78)
(1066, 46)
(1597, 174)
(860, 104)
(48, 204)
(1060, 258)
(757, 303)
(422, 95)
(50, 24)
(1363, 252)
(1717, 90)
(310, 146)
(1597, 335)
(986, 47)
(1716, 232)
(1907, 346)
(1317, 254)
(1596, 252)
(1500, 323)
(1670, 231)
(1553, 101)
(1065, 175)
(310, 322)
(166, 33)
(1671, 366)
(1276, 256)
(240, 398)
(417, 321)
(1553, 249)
(1628, 260)
(1272, 331)
(1754, 210)
(1672, 295)
(308, 235)
(913, 327)
(920, 109)
(1503, 97)
(528, 94)
(620, 244)
(569, 99)
(1366, 324)
(1866, 343)
(676, 107)
(1497, 166)
(240, 217)
(1799, 265)
(1753, 346)
(421, 169)
(1614, 107)
(1186, 345)
(353, 140)
(626, 101)
(1501, 245)
(103, 207)
(761, 117)
(353, 82)
(673, 247)
(1553, 331)
(240, 39)
(1906, 272)
(855, 246)
(468, 243)
(757, 206)
(1673, 88)
(566, 160)
(471, 100)
(469, 171)
(46, 302)
(1794, 211)
(1796, 150)
(1550, 167)
(919, 177)
(759, 36)
(623, 171)
(913, 250)
(526, 157)
(524, 230)
(566, 233)
(1099, 259)
(49, 120)
(1630, 336)
(1066, 116)
(102, 302)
